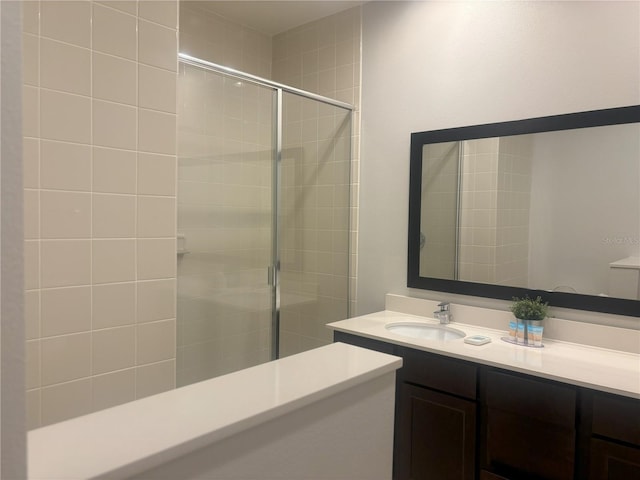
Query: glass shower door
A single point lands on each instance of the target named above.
(314, 221)
(226, 152)
(263, 219)
(440, 210)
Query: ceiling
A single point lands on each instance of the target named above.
(273, 17)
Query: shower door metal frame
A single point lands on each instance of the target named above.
(279, 89)
(456, 262)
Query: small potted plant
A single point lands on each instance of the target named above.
(529, 314)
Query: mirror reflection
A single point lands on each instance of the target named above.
(556, 211)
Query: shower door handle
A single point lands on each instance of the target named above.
(271, 275)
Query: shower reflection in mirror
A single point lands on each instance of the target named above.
(535, 211)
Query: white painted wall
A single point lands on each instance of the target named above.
(430, 65)
(585, 209)
(12, 373)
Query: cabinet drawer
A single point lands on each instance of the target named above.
(363, 342)
(616, 417)
(547, 402)
(438, 372)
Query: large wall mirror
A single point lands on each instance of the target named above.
(546, 206)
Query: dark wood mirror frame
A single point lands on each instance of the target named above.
(594, 118)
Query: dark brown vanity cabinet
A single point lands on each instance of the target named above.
(436, 418)
(458, 420)
(528, 427)
(613, 426)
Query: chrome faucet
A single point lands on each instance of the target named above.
(444, 314)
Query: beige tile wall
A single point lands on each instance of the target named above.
(100, 208)
(514, 200)
(494, 239)
(100, 186)
(208, 36)
(478, 214)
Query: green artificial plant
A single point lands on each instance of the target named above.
(528, 309)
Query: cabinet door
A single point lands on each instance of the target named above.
(435, 436)
(528, 427)
(616, 417)
(610, 461)
(522, 447)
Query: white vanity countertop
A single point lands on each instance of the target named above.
(592, 367)
(629, 262)
(134, 437)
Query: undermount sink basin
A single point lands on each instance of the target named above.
(425, 331)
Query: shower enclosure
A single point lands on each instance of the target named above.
(475, 210)
(263, 219)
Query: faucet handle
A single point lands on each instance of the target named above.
(444, 306)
